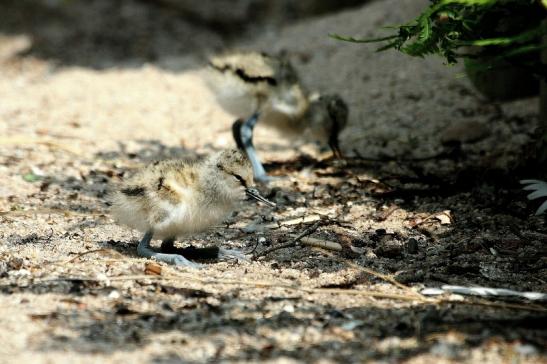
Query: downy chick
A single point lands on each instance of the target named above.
(174, 198)
(266, 88)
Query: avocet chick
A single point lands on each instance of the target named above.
(174, 198)
(268, 89)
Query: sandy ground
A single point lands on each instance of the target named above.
(425, 199)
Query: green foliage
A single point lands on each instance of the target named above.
(500, 29)
(31, 177)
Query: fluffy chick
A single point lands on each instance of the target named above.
(175, 198)
(268, 89)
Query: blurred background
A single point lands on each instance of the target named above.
(102, 33)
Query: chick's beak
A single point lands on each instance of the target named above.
(253, 192)
(335, 147)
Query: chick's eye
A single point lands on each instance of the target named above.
(240, 179)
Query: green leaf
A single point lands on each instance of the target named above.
(502, 41)
(425, 33)
(358, 40)
(469, 2)
(447, 25)
(31, 177)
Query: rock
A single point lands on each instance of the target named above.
(465, 132)
(380, 232)
(389, 248)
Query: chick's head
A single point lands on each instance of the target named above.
(234, 174)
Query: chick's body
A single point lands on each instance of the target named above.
(266, 88)
(175, 198)
(247, 82)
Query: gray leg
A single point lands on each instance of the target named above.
(244, 139)
(144, 250)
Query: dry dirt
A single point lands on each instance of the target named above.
(424, 199)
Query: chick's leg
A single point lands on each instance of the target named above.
(144, 250)
(243, 135)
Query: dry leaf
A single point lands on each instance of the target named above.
(444, 217)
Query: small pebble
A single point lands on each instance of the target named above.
(288, 308)
(114, 295)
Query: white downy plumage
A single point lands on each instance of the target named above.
(173, 198)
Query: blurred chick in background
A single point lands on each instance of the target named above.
(264, 88)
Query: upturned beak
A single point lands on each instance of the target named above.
(253, 192)
(333, 144)
(333, 141)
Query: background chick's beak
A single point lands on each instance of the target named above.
(333, 144)
(253, 192)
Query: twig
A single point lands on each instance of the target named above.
(278, 224)
(485, 292)
(291, 243)
(294, 221)
(79, 255)
(254, 248)
(386, 214)
(101, 250)
(387, 279)
(383, 277)
(320, 243)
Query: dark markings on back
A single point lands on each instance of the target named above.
(160, 183)
(134, 191)
(245, 77)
